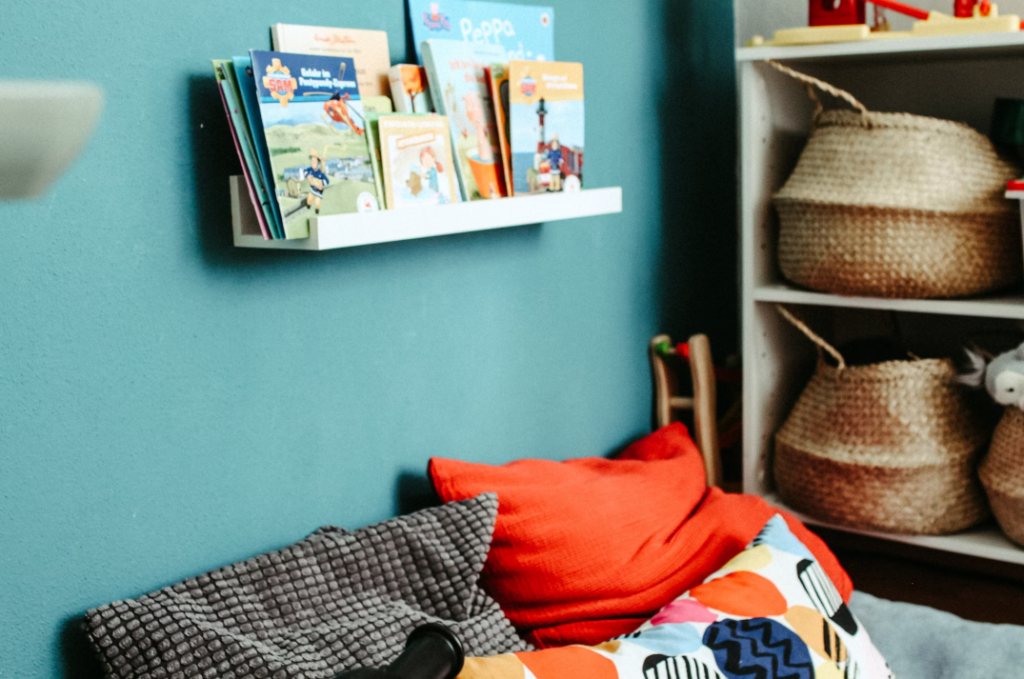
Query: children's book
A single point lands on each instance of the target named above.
(374, 107)
(250, 102)
(546, 111)
(373, 145)
(369, 49)
(417, 161)
(523, 31)
(460, 91)
(243, 146)
(409, 89)
(315, 128)
(377, 105)
(497, 77)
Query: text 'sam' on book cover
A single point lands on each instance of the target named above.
(523, 31)
(369, 49)
(417, 161)
(315, 128)
(460, 91)
(251, 103)
(546, 110)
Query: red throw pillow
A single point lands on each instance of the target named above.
(587, 549)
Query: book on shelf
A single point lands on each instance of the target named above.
(242, 137)
(409, 89)
(459, 88)
(369, 49)
(250, 104)
(522, 31)
(497, 78)
(547, 126)
(417, 161)
(314, 127)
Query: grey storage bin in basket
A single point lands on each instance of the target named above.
(896, 205)
(890, 446)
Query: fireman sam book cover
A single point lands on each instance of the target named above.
(369, 49)
(315, 129)
(497, 77)
(460, 91)
(547, 125)
(409, 89)
(522, 31)
(417, 161)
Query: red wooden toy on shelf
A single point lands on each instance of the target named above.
(844, 21)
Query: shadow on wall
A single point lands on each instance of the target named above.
(699, 255)
(77, 655)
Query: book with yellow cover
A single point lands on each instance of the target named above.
(369, 49)
(547, 126)
(417, 161)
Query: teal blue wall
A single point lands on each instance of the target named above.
(169, 404)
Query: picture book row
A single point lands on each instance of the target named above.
(485, 114)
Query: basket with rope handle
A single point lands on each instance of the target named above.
(896, 205)
(890, 446)
(1002, 474)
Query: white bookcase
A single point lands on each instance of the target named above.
(956, 78)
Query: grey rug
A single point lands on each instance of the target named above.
(338, 599)
(923, 643)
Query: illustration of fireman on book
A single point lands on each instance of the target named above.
(318, 181)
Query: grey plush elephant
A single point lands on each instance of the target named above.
(1002, 377)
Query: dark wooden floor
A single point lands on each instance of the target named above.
(974, 589)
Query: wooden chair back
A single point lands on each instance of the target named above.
(668, 403)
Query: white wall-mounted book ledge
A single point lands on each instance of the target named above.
(352, 230)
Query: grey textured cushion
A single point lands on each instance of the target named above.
(923, 643)
(336, 600)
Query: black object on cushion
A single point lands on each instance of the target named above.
(337, 600)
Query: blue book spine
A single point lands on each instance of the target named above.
(251, 104)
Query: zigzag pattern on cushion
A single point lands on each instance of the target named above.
(758, 649)
(677, 667)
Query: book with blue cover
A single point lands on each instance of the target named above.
(314, 127)
(251, 105)
(523, 31)
(460, 91)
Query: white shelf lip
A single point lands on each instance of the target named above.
(986, 542)
(353, 230)
(934, 46)
(1007, 306)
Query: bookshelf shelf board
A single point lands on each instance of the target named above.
(985, 541)
(1008, 306)
(353, 230)
(979, 45)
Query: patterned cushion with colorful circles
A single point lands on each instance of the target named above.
(770, 613)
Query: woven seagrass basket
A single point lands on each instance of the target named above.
(1002, 474)
(897, 205)
(890, 446)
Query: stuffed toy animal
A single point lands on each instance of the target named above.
(1002, 377)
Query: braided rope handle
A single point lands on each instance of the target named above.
(811, 335)
(812, 82)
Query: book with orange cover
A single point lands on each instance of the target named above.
(497, 76)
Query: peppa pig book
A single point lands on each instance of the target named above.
(522, 31)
